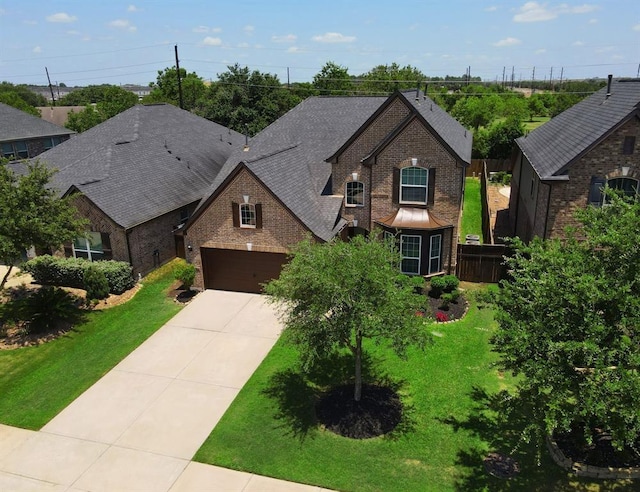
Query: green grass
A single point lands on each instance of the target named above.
(270, 428)
(537, 121)
(472, 211)
(38, 382)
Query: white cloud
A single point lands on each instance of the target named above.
(200, 29)
(593, 21)
(507, 42)
(493, 8)
(73, 33)
(295, 49)
(123, 24)
(577, 43)
(37, 49)
(211, 41)
(30, 22)
(243, 45)
(541, 51)
(287, 38)
(133, 8)
(2, 11)
(333, 37)
(248, 29)
(636, 27)
(61, 17)
(539, 12)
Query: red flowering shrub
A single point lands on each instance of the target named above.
(441, 317)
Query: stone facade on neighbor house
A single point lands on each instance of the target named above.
(297, 171)
(564, 165)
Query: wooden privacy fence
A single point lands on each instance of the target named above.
(493, 165)
(481, 262)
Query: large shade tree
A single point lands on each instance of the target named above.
(32, 214)
(335, 295)
(569, 319)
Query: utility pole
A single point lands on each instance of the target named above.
(288, 79)
(53, 98)
(179, 80)
(561, 76)
(503, 73)
(533, 78)
(551, 79)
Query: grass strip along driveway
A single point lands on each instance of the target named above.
(38, 382)
(270, 429)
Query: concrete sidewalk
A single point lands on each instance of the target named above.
(138, 427)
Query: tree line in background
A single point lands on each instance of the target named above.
(249, 100)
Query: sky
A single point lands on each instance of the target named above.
(128, 42)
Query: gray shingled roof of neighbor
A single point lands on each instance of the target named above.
(18, 125)
(555, 145)
(144, 162)
(291, 155)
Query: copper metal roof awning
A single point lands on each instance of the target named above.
(413, 218)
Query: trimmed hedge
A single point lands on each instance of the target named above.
(69, 272)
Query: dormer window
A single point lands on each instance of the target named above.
(354, 194)
(413, 185)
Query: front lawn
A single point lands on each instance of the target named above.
(38, 382)
(270, 428)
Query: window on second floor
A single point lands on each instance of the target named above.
(51, 142)
(247, 215)
(354, 195)
(413, 185)
(15, 150)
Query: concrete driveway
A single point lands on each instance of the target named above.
(139, 426)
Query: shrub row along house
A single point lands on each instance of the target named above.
(332, 166)
(565, 164)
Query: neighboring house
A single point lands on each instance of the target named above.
(23, 136)
(137, 177)
(58, 115)
(335, 166)
(564, 165)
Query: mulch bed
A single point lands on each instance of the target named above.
(378, 412)
(456, 309)
(601, 453)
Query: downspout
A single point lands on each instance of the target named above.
(451, 251)
(126, 235)
(515, 222)
(546, 219)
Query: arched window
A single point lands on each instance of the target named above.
(354, 195)
(413, 185)
(628, 186)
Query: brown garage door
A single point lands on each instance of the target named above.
(239, 271)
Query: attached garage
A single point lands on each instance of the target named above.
(239, 271)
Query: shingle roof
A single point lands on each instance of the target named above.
(144, 162)
(294, 150)
(18, 125)
(291, 153)
(555, 145)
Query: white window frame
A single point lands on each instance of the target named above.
(347, 195)
(438, 256)
(403, 237)
(252, 208)
(88, 248)
(425, 186)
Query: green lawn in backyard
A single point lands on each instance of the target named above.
(270, 429)
(472, 210)
(38, 382)
(537, 121)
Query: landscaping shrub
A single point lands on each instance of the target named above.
(69, 272)
(95, 283)
(438, 285)
(46, 308)
(451, 283)
(185, 273)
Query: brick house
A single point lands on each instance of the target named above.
(335, 166)
(137, 177)
(563, 165)
(24, 136)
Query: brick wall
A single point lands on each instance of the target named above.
(415, 141)
(36, 147)
(214, 227)
(605, 160)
